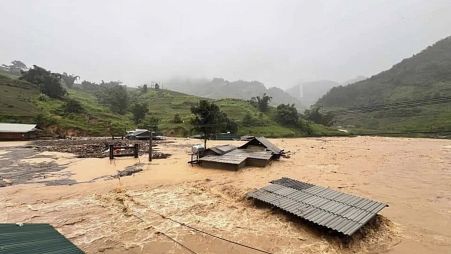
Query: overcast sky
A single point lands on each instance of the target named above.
(277, 42)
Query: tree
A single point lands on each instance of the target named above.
(287, 114)
(144, 89)
(73, 106)
(247, 120)
(48, 82)
(16, 67)
(262, 103)
(177, 119)
(69, 79)
(208, 119)
(151, 122)
(316, 116)
(114, 95)
(157, 86)
(230, 125)
(139, 111)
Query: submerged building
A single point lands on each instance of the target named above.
(17, 131)
(258, 152)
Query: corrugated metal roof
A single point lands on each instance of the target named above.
(17, 127)
(323, 206)
(222, 149)
(225, 159)
(264, 142)
(237, 156)
(34, 238)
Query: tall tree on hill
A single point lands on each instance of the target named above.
(48, 82)
(208, 119)
(69, 79)
(139, 111)
(262, 103)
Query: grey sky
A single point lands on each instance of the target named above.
(277, 42)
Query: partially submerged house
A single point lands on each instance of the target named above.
(142, 134)
(17, 131)
(257, 152)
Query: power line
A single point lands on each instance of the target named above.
(201, 231)
(164, 234)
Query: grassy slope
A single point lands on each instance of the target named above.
(425, 75)
(17, 98)
(164, 104)
(21, 102)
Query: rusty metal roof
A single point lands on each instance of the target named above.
(339, 211)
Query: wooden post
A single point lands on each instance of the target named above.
(150, 144)
(136, 150)
(111, 152)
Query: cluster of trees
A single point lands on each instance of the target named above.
(315, 115)
(49, 83)
(15, 68)
(287, 114)
(114, 95)
(250, 120)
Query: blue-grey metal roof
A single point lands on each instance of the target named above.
(323, 206)
(33, 239)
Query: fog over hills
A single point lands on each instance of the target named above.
(413, 95)
(219, 88)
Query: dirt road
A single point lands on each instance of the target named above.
(148, 211)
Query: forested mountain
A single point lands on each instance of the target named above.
(219, 88)
(423, 77)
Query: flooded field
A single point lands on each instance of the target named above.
(172, 207)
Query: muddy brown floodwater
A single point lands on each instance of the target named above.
(141, 213)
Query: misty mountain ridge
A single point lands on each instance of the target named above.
(219, 88)
(310, 92)
(420, 80)
(426, 74)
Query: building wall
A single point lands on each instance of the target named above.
(218, 165)
(13, 136)
(253, 162)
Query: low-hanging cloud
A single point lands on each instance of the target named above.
(276, 42)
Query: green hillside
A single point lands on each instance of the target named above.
(415, 82)
(17, 98)
(22, 102)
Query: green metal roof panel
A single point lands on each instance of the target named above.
(34, 238)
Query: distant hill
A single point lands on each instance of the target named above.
(424, 76)
(310, 92)
(219, 88)
(22, 102)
